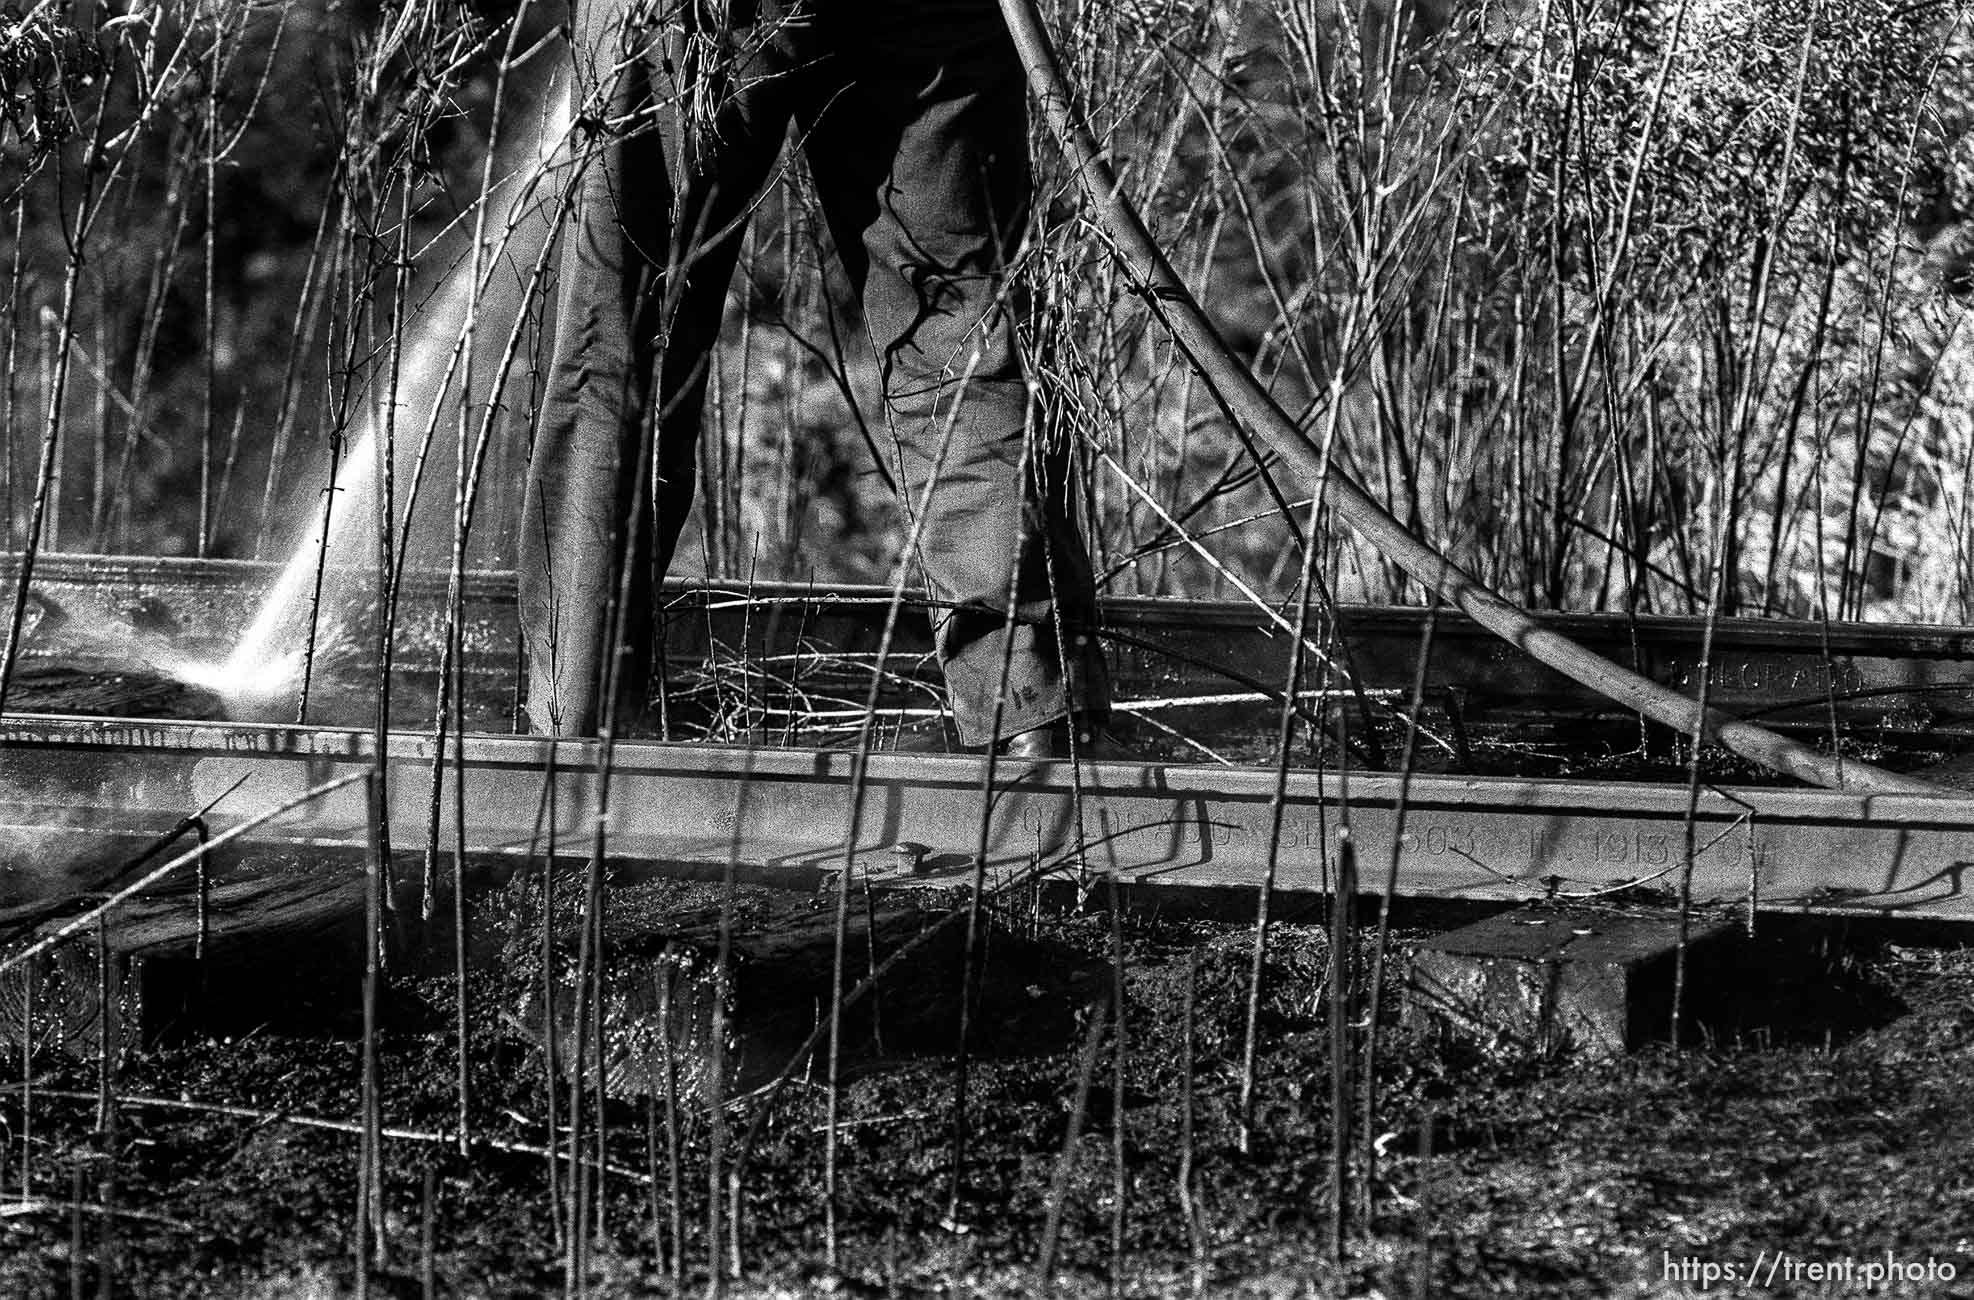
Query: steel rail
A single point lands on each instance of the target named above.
(1240, 393)
(686, 807)
(1899, 680)
(182, 592)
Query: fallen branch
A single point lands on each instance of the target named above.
(1241, 394)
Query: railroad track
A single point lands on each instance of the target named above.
(782, 813)
(1216, 667)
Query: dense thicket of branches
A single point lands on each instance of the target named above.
(1625, 305)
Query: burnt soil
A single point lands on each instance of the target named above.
(1824, 1115)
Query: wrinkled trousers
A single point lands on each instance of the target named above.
(912, 117)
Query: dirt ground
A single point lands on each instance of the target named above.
(1834, 1128)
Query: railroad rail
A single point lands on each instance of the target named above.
(1214, 664)
(780, 815)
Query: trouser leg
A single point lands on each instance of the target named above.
(610, 480)
(729, 162)
(920, 157)
(581, 493)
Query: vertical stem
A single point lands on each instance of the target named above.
(1264, 901)
(427, 1272)
(76, 1253)
(1340, 941)
(651, 1091)
(99, 431)
(321, 569)
(1119, 1180)
(675, 1188)
(1086, 1068)
(461, 1001)
(104, 1028)
(716, 1135)
(207, 372)
(1188, 1204)
(308, 313)
(105, 1136)
(202, 877)
(600, 1219)
(1423, 1268)
(28, 993)
(8, 393)
(386, 551)
(674, 1178)
(551, 1066)
(575, 1238)
(1375, 1010)
(369, 1220)
(63, 334)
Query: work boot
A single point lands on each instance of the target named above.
(1051, 741)
(935, 736)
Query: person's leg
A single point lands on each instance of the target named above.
(741, 121)
(643, 278)
(921, 160)
(734, 133)
(579, 495)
